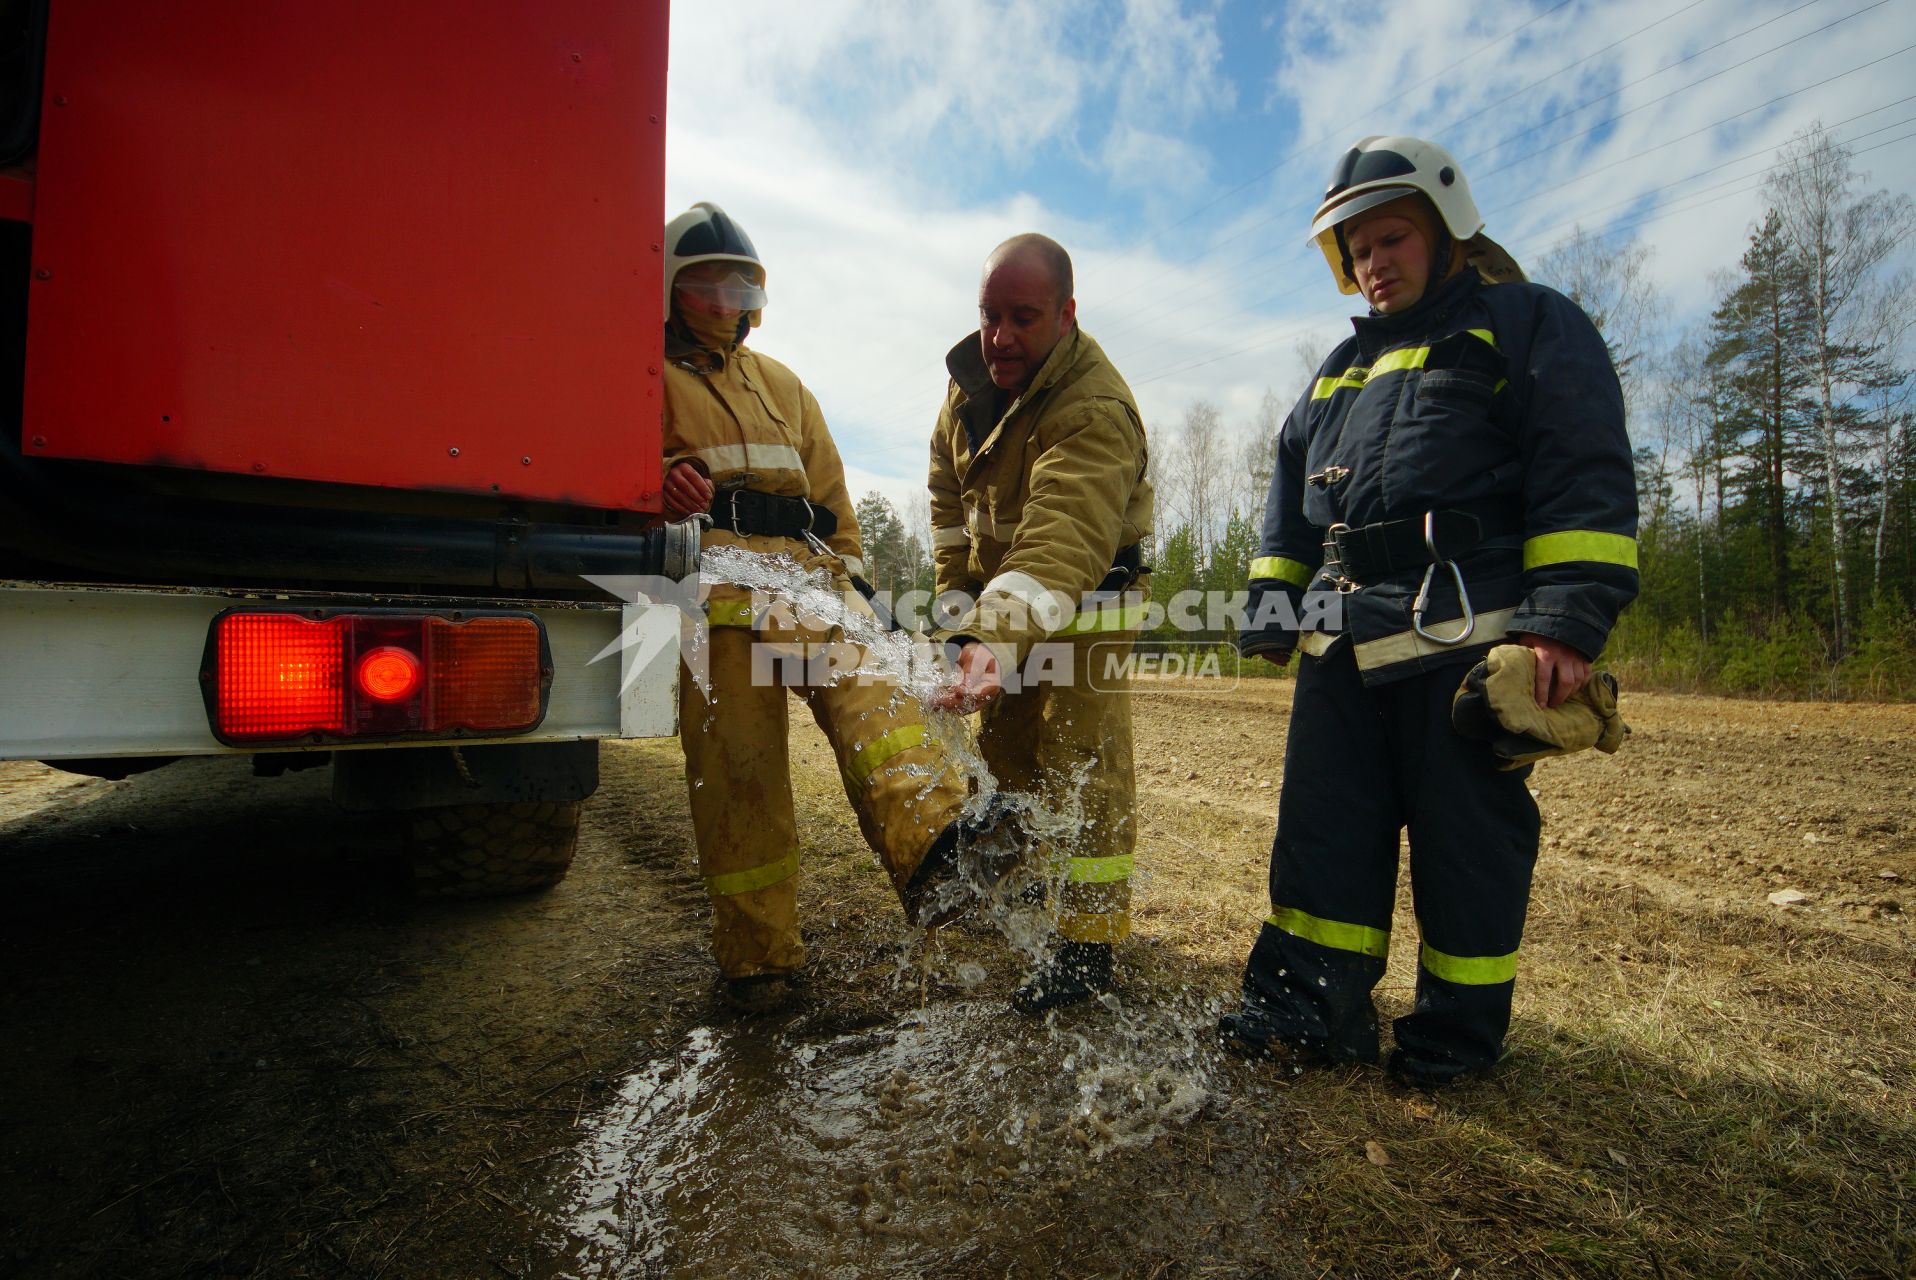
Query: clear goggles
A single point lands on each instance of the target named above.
(734, 293)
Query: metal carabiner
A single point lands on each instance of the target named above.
(812, 540)
(1423, 591)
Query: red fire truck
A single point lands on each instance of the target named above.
(329, 373)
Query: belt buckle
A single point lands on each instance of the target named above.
(734, 509)
(1334, 560)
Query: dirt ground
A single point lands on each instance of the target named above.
(235, 1046)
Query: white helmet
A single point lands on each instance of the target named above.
(1382, 168)
(705, 233)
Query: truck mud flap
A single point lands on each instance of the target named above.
(432, 777)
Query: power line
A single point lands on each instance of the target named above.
(1304, 148)
(887, 415)
(1571, 66)
(1524, 200)
(1704, 129)
(1665, 97)
(1453, 124)
(1285, 211)
(1692, 177)
(1754, 181)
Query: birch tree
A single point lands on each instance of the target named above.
(1839, 241)
(1612, 282)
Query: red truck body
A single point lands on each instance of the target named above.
(330, 399)
(394, 245)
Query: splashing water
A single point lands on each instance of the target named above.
(814, 602)
(882, 1150)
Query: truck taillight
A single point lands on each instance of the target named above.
(277, 677)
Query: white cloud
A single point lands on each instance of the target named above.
(853, 138)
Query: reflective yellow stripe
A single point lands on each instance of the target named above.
(1402, 646)
(753, 879)
(1281, 567)
(729, 613)
(873, 755)
(1392, 361)
(1333, 933)
(1098, 870)
(1105, 618)
(1469, 971)
(752, 457)
(1087, 926)
(1579, 544)
(1354, 378)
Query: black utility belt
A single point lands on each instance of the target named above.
(1126, 568)
(1364, 553)
(751, 513)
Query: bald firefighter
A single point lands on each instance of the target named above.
(745, 441)
(1039, 504)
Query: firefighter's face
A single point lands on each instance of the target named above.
(1020, 318)
(718, 289)
(1390, 257)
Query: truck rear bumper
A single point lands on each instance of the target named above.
(88, 671)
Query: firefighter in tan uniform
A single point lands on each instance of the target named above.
(1038, 506)
(744, 441)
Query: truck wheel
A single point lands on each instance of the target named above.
(483, 850)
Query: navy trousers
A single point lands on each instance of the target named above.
(1363, 765)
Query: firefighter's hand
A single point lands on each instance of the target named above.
(1561, 670)
(687, 490)
(1278, 657)
(977, 685)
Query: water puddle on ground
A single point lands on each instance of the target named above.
(891, 1150)
(956, 1134)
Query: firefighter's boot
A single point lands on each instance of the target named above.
(761, 993)
(966, 863)
(1079, 971)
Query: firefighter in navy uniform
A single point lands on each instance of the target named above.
(745, 442)
(1457, 476)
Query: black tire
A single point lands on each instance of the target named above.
(485, 850)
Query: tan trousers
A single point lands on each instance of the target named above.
(1074, 736)
(900, 784)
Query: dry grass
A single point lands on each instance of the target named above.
(1699, 1084)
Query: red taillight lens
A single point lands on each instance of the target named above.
(280, 676)
(285, 677)
(388, 673)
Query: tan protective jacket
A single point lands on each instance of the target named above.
(1032, 497)
(751, 424)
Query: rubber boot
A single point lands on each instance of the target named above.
(1077, 972)
(969, 859)
(761, 993)
(1246, 1035)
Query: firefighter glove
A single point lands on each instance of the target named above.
(1497, 703)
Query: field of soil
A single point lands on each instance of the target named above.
(236, 1046)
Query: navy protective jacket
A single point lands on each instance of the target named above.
(1498, 401)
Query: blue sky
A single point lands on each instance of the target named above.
(877, 150)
